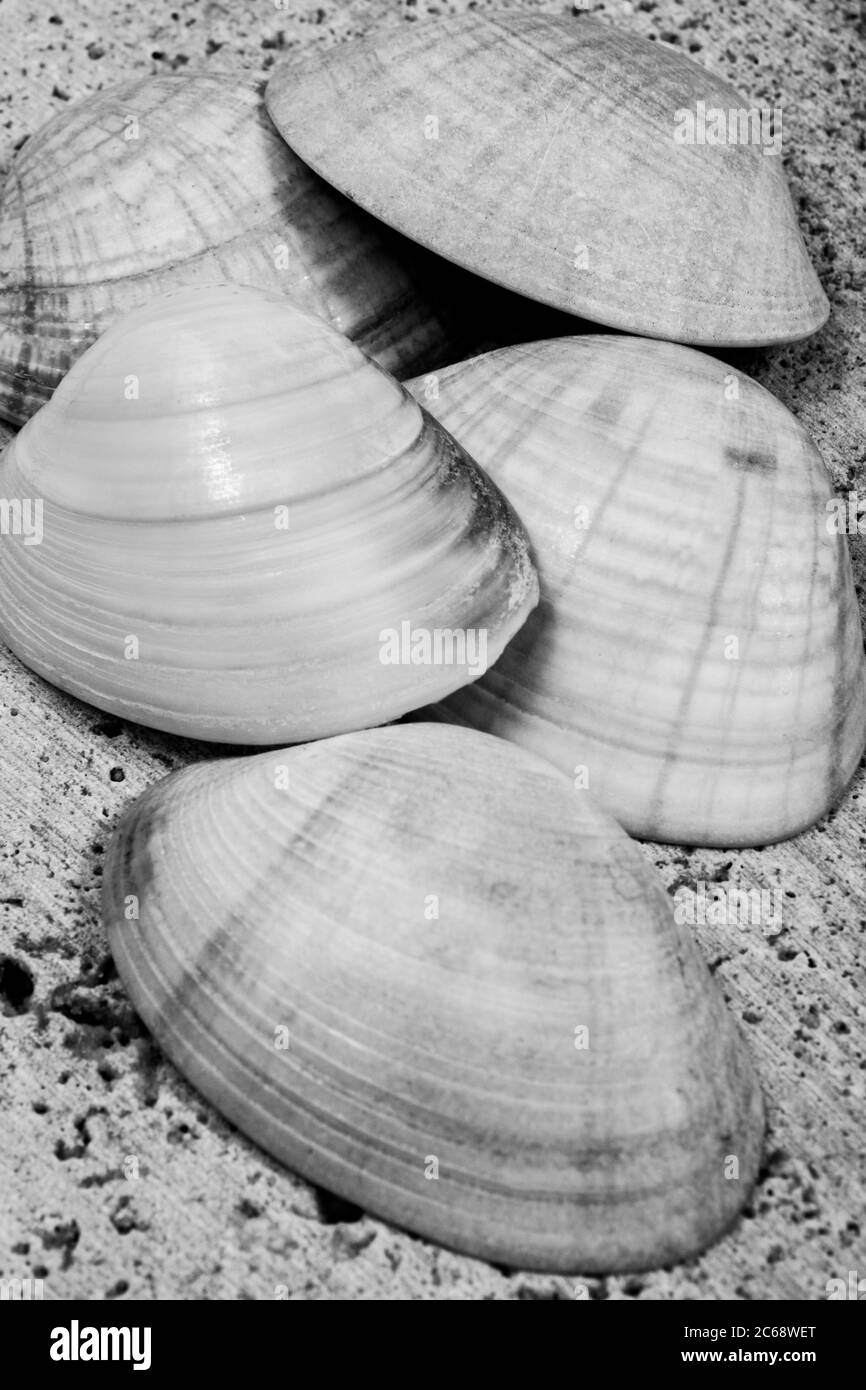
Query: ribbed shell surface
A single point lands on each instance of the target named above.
(181, 180)
(419, 968)
(697, 656)
(237, 504)
(543, 152)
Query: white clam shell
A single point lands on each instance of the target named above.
(542, 151)
(697, 656)
(166, 182)
(238, 508)
(418, 967)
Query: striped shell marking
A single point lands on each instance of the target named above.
(181, 180)
(237, 504)
(544, 152)
(697, 653)
(421, 970)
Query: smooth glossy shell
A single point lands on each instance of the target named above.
(419, 968)
(697, 653)
(172, 181)
(239, 508)
(541, 152)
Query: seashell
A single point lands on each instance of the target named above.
(171, 181)
(543, 152)
(697, 652)
(416, 953)
(238, 507)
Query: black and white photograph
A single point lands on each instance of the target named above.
(432, 671)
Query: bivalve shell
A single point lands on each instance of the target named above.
(249, 532)
(697, 656)
(577, 163)
(179, 180)
(420, 969)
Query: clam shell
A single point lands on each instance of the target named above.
(697, 652)
(419, 968)
(171, 181)
(540, 151)
(238, 508)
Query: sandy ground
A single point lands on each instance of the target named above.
(117, 1180)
